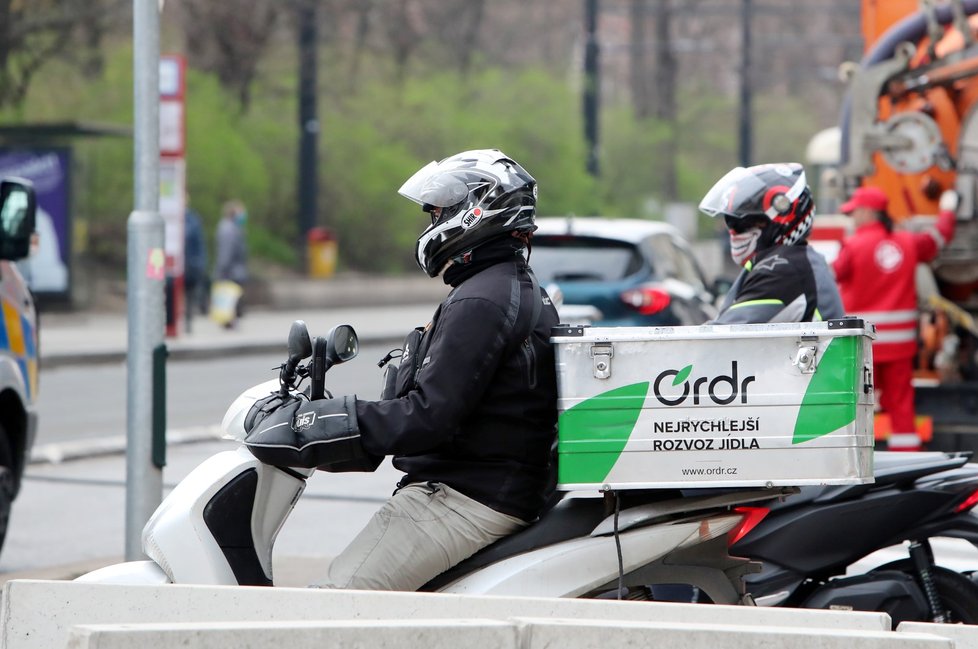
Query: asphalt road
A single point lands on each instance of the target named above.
(88, 402)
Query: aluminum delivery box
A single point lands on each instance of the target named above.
(715, 405)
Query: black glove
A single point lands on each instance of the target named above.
(321, 434)
(265, 407)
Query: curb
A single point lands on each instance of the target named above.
(55, 453)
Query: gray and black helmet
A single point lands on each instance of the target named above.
(775, 195)
(481, 194)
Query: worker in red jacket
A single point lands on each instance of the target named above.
(875, 270)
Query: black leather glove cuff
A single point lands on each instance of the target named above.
(321, 434)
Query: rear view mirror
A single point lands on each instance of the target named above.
(300, 345)
(18, 207)
(342, 344)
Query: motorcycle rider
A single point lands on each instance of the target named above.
(473, 416)
(769, 210)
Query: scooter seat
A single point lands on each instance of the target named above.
(568, 519)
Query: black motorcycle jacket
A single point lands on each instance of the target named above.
(783, 284)
(481, 414)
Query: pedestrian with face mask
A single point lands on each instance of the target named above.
(768, 210)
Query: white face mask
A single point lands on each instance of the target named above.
(743, 245)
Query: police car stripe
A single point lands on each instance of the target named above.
(15, 334)
(4, 338)
(25, 326)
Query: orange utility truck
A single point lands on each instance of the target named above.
(909, 125)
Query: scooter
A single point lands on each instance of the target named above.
(807, 542)
(219, 524)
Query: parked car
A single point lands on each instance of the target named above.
(18, 342)
(620, 272)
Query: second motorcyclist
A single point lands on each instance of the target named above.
(769, 210)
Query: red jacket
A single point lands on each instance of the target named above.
(875, 270)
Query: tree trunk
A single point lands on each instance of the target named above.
(638, 68)
(665, 97)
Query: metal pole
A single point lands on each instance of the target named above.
(146, 263)
(592, 85)
(308, 122)
(745, 86)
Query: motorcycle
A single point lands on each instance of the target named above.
(218, 525)
(806, 543)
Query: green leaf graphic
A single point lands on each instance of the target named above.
(830, 400)
(683, 373)
(594, 433)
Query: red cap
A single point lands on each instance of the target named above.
(871, 197)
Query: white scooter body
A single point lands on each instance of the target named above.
(183, 549)
(177, 539)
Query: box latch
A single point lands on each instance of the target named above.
(806, 360)
(601, 354)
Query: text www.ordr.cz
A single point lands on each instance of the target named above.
(719, 470)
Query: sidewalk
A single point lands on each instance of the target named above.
(380, 309)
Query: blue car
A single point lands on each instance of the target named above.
(620, 272)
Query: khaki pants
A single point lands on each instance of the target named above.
(422, 531)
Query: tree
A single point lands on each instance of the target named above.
(655, 95)
(229, 38)
(33, 32)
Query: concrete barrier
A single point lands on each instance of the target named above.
(576, 634)
(38, 614)
(519, 633)
(965, 636)
(349, 634)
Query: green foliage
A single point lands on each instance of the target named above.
(377, 138)
(374, 133)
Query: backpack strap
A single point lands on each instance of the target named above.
(537, 302)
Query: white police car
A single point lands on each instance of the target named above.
(18, 342)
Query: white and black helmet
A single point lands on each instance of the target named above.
(481, 194)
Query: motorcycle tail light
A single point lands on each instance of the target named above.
(647, 301)
(968, 503)
(751, 516)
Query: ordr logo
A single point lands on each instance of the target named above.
(729, 387)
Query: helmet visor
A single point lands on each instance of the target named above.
(741, 192)
(433, 186)
(727, 197)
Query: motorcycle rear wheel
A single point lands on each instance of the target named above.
(957, 593)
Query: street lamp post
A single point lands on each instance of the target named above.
(146, 273)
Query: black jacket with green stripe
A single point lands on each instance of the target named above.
(783, 284)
